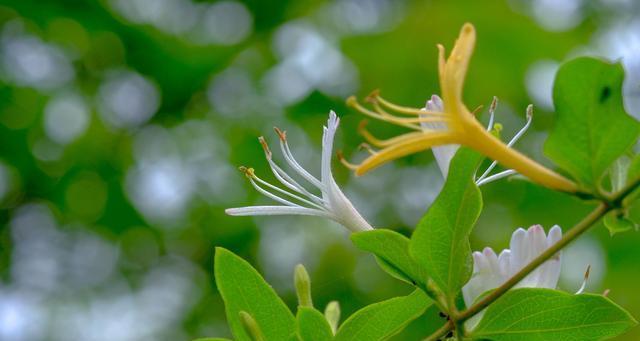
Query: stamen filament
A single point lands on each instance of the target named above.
(492, 111)
(288, 156)
(423, 118)
(290, 183)
(367, 147)
(515, 139)
(344, 161)
(407, 110)
(584, 282)
(495, 177)
(271, 195)
(353, 102)
(284, 192)
(388, 142)
(283, 177)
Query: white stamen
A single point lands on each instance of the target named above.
(584, 282)
(271, 195)
(291, 183)
(495, 177)
(284, 146)
(275, 188)
(516, 137)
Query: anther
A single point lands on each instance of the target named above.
(281, 133)
(248, 171)
(584, 282)
(373, 96)
(367, 147)
(352, 101)
(494, 104)
(265, 147)
(529, 112)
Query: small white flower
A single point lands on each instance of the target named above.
(491, 270)
(297, 200)
(444, 153)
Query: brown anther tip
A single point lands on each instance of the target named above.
(494, 104)
(606, 292)
(529, 111)
(281, 133)
(265, 146)
(339, 155)
(586, 274)
(373, 96)
(362, 124)
(351, 101)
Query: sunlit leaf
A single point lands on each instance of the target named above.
(392, 252)
(440, 243)
(592, 128)
(383, 319)
(312, 325)
(243, 289)
(551, 315)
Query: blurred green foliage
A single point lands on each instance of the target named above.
(84, 182)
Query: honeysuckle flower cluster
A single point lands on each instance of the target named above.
(454, 124)
(297, 199)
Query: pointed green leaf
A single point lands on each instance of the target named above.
(243, 289)
(592, 128)
(549, 315)
(381, 320)
(312, 326)
(212, 339)
(440, 243)
(392, 253)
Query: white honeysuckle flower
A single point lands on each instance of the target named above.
(444, 153)
(491, 270)
(297, 200)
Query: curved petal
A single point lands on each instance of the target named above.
(406, 147)
(276, 210)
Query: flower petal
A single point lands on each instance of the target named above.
(276, 210)
(406, 147)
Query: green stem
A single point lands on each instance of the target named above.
(440, 332)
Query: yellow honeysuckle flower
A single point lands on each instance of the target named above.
(460, 124)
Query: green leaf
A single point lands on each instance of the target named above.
(212, 339)
(592, 128)
(440, 243)
(312, 326)
(243, 289)
(543, 314)
(634, 168)
(381, 320)
(392, 253)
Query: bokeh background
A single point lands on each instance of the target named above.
(122, 123)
